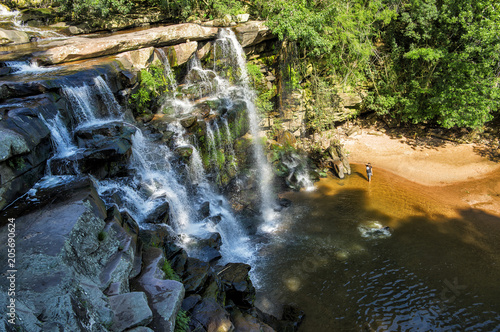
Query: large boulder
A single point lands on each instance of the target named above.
(130, 310)
(25, 146)
(180, 54)
(13, 37)
(79, 48)
(252, 33)
(164, 296)
(208, 315)
(60, 232)
(106, 148)
(237, 284)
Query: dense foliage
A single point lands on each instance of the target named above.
(424, 61)
(442, 63)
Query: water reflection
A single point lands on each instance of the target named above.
(437, 272)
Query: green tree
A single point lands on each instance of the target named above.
(442, 63)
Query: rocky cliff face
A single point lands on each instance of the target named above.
(84, 263)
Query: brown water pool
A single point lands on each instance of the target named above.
(438, 271)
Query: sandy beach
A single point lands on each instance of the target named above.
(460, 174)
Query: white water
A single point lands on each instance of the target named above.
(169, 75)
(60, 136)
(231, 49)
(83, 99)
(298, 168)
(28, 68)
(14, 18)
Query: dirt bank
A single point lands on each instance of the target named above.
(461, 172)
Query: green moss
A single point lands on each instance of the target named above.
(17, 163)
(102, 236)
(169, 272)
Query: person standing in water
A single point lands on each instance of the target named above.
(369, 171)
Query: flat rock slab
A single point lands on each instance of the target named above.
(84, 48)
(131, 310)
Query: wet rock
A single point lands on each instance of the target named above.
(179, 261)
(195, 275)
(184, 152)
(107, 148)
(204, 210)
(25, 146)
(164, 296)
(237, 284)
(188, 122)
(130, 310)
(210, 316)
(216, 219)
(79, 48)
(155, 235)
(285, 202)
(179, 54)
(244, 322)
(160, 214)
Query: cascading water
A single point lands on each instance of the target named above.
(231, 48)
(84, 101)
(167, 72)
(13, 17)
(299, 170)
(28, 68)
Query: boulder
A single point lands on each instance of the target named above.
(25, 146)
(209, 315)
(195, 275)
(107, 148)
(237, 284)
(204, 210)
(242, 18)
(160, 214)
(130, 310)
(137, 59)
(252, 33)
(58, 227)
(244, 322)
(338, 159)
(181, 53)
(79, 48)
(164, 296)
(13, 37)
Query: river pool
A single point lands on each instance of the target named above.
(439, 269)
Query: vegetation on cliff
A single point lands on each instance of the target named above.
(420, 61)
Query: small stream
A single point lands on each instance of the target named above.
(438, 271)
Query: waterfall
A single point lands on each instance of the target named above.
(84, 101)
(231, 49)
(167, 72)
(60, 136)
(114, 108)
(28, 67)
(80, 98)
(212, 149)
(228, 146)
(298, 168)
(14, 18)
